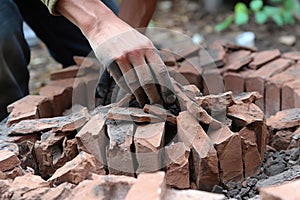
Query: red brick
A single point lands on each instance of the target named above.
(87, 63)
(236, 60)
(213, 56)
(168, 57)
(62, 191)
(69, 72)
(177, 165)
(284, 119)
(247, 97)
(149, 140)
(191, 70)
(282, 139)
(148, 187)
(294, 55)
(192, 91)
(160, 112)
(263, 57)
(187, 52)
(204, 156)
(29, 107)
(234, 47)
(119, 155)
(90, 81)
(8, 160)
(212, 82)
(290, 95)
(172, 194)
(234, 82)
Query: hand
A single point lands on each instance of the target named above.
(133, 62)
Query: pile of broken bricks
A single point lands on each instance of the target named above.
(214, 140)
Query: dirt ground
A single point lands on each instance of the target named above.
(188, 17)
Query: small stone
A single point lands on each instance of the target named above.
(288, 40)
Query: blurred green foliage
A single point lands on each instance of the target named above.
(281, 12)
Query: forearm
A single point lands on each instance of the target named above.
(137, 13)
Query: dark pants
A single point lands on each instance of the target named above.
(62, 38)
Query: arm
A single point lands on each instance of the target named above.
(129, 56)
(139, 19)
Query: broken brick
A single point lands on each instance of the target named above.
(187, 52)
(191, 70)
(87, 63)
(29, 107)
(168, 57)
(204, 156)
(148, 140)
(119, 155)
(69, 72)
(212, 82)
(172, 194)
(213, 56)
(62, 191)
(160, 112)
(263, 57)
(228, 146)
(177, 165)
(237, 60)
(8, 160)
(235, 47)
(284, 119)
(155, 184)
(290, 95)
(247, 97)
(294, 55)
(234, 82)
(192, 91)
(282, 139)
(77, 170)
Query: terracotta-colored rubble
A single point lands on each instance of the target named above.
(290, 95)
(237, 60)
(212, 82)
(177, 165)
(119, 155)
(148, 187)
(148, 141)
(234, 47)
(172, 194)
(282, 139)
(92, 139)
(286, 191)
(131, 114)
(187, 52)
(8, 160)
(205, 161)
(29, 107)
(293, 55)
(69, 72)
(63, 191)
(285, 119)
(168, 57)
(191, 70)
(263, 57)
(247, 97)
(77, 170)
(192, 91)
(90, 64)
(213, 56)
(90, 82)
(234, 82)
(13, 173)
(103, 187)
(68, 123)
(161, 112)
(228, 146)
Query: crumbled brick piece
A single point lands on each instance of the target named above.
(29, 107)
(234, 82)
(263, 57)
(77, 169)
(282, 139)
(212, 82)
(294, 55)
(161, 112)
(131, 114)
(148, 187)
(103, 187)
(234, 46)
(119, 155)
(244, 114)
(69, 72)
(247, 97)
(228, 146)
(191, 70)
(285, 119)
(213, 56)
(285, 191)
(205, 161)
(88, 63)
(148, 140)
(237, 60)
(56, 124)
(290, 95)
(13, 173)
(177, 170)
(8, 160)
(92, 139)
(192, 91)
(63, 191)
(187, 52)
(172, 194)
(168, 57)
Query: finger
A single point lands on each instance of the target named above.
(116, 73)
(132, 80)
(145, 77)
(160, 72)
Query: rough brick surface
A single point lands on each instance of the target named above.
(8, 160)
(285, 119)
(263, 57)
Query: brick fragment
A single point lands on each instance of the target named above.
(284, 119)
(90, 64)
(29, 107)
(244, 114)
(103, 187)
(119, 155)
(92, 137)
(212, 82)
(290, 95)
(234, 47)
(234, 82)
(192, 71)
(131, 114)
(77, 170)
(293, 55)
(90, 81)
(172, 194)
(62, 191)
(213, 56)
(263, 57)
(177, 166)
(204, 156)
(168, 57)
(13, 173)
(8, 160)
(148, 140)
(148, 187)
(187, 52)
(247, 97)
(192, 91)
(56, 124)
(228, 146)
(69, 72)
(237, 59)
(285, 191)
(282, 139)
(160, 112)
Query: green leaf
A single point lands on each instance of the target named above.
(225, 24)
(241, 18)
(261, 17)
(256, 5)
(276, 1)
(289, 5)
(240, 7)
(271, 10)
(288, 18)
(277, 18)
